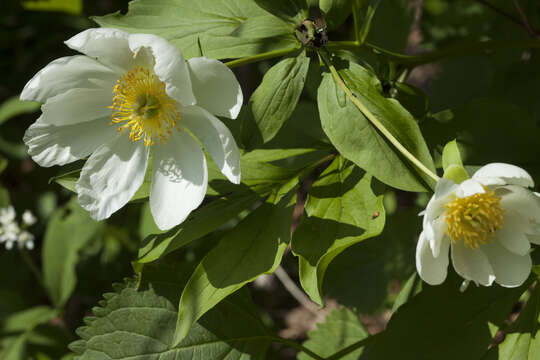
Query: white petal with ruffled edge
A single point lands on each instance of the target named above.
(438, 233)
(512, 234)
(216, 138)
(215, 87)
(469, 187)
(179, 180)
(106, 45)
(520, 200)
(500, 174)
(170, 66)
(111, 176)
(510, 269)
(50, 145)
(472, 264)
(432, 270)
(61, 75)
(77, 106)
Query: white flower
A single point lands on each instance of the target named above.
(488, 223)
(7, 215)
(28, 218)
(140, 85)
(26, 239)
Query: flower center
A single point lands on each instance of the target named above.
(141, 105)
(474, 218)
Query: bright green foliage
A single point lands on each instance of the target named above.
(340, 328)
(254, 247)
(452, 164)
(342, 211)
(276, 97)
(70, 228)
(358, 140)
(131, 323)
(13, 107)
(447, 324)
(69, 6)
(212, 22)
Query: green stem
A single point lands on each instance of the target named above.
(411, 61)
(297, 346)
(349, 349)
(356, 20)
(261, 57)
(369, 115)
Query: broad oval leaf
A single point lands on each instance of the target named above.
(275, 99)
(342, 211)
(185, 23)
(254, 247)
(293, 11)
(359, 141)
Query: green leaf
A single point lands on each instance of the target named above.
(451, 155)
(201, 222)
(254, 247)
(443, 323)
(522, 341)
(359, 141)
(13, 107)
(340, 328)
(412, 287)
(140, 324)
(342, 211)
(263, 26)
(294, 11)
(69, 229)
(336, 11)
(212, 22)
(16, 328)
(275, 99)
(74, 7)
(3, 164)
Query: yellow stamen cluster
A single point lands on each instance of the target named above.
(142, 105)
(474, 218)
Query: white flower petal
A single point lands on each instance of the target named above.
(512, 235)
(510, 174)
(106, 45)
(535, 239)
(170, 66)
(77, 106)
(215, 86)
(65, 74)
(444, 191)
(472, 264)
(521, 200)
(216, 138)
(439, 229)
(470, 187)
(432, 269)
(111, 176)
(179, 180)
(511, 270)
(50, 145)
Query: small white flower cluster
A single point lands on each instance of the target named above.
(11, 232)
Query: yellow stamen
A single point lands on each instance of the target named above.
(142, 105)
(474, 218)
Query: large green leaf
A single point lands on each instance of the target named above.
(201, 222)
(522, 342)
(336, 11)
(342, 211)
(133, 324)
(358, 140)
(443, 323)
(69, 229)
(212, 22)
(254, 247)
(275, 99)
(340, 328)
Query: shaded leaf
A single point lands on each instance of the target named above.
(293, 11)
(340, 208)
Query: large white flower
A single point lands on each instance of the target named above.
(129, 96)
(488, 223)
